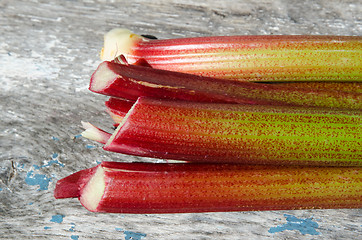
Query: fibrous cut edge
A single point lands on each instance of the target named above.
(94, 133)
(118, 41)
(92, 193)
(121, 124)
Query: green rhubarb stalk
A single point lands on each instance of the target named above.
(246, 58)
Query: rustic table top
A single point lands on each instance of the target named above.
(49, 49)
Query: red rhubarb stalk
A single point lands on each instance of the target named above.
(245, 58)
(184, 188)
(117, 108)
(252, 134)
(130, 82)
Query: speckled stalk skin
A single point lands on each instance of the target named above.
(188, 188)
(354, 87)
(250, 134)
(257, 58)
(131, 82)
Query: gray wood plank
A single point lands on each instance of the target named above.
(49, 49)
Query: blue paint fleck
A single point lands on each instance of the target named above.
(119, 229)
(304, 226)
(55, 138)
(98, 162)
(51, 162)
(89, 146)
(133, 235)
(57, 218)
(78, 136)
(20, 166)
(31, 203)
(38, 179)
(46, 228)
(74, 237)
(1, 189)
(71, 229)
(36, 167)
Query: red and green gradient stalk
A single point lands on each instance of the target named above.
(246, 58)
(248, 134)
(130, 82)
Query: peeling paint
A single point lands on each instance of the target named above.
(133, 235)
(90, 146)
(303, 225)
(57, 218)
(55, 138)
(38, 179)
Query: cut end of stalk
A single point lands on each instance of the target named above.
(102, 78)
(117, 118)
(110, 140)
(93, 133)
(117, 108)
(70, 187)
(93, 192)
(118, 41)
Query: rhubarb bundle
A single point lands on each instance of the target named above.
(182, 188)
(291, 142)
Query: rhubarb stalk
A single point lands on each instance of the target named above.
(117, 108)
(182, 188)
(238, 133)
(246, 58)
(130, 82)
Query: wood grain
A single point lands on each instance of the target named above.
(49, 49)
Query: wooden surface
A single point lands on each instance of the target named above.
(48, 52)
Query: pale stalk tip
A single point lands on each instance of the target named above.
(93, 192)
(86, 125)
(118, 41)
(102, 78)
(117, 118)
(93, 133)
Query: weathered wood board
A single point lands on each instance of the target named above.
(49, 49)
